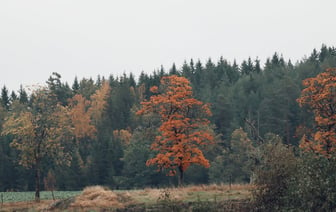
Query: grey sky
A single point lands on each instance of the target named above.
(86, 38)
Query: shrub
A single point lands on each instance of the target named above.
(274, 175)
(314, 187)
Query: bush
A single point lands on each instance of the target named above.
(314, 187)
(274, 176)
(288, 183)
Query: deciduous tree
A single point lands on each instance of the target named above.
(182, 130)
(41, 129)
(38, 133)
(320, 96)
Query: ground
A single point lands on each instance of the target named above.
(189, 198)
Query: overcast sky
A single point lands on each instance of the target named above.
(86, 38)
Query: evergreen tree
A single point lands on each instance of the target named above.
(23, 96)
(75, 86)
(257, 68)
(247, 67)
(173, 70)
(5, 102)
(13, 96)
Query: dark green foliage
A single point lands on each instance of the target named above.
(135, 171)
(70, 178)
(234, 164)
(173, 70)
(61, 90)
(13, 96)
(5, 101)
(23, 96)
(87, 87)
(75, 86)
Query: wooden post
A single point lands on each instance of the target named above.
(230, 182)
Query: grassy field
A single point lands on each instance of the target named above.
(30, 196)
(98, 198)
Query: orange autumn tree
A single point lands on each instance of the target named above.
(320, 96)
(183, 126)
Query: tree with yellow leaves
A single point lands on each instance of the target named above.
(41, 129)
(38, 133)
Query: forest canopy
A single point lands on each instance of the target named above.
(250, 103)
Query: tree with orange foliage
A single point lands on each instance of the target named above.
(183, 126)
(320, 96)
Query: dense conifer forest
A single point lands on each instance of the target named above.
(251, 103)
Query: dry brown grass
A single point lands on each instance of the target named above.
(31, 205)
(218, 187)
(192, 193)
(97, 197)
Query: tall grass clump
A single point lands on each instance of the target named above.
(97, 197)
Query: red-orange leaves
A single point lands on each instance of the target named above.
(320, 96)
(183, 121)
(154, 89)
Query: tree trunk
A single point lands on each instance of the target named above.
(37, 181)
(181, 176)
(52, 193)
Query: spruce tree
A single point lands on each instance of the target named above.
(23, 96)
(5, 98)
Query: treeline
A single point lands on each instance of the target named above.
(250, 103)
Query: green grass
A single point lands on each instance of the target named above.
(29, 196)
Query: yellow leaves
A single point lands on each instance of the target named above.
(80, 117)
(98, 101)
(37, 131)
(123, 135)
(40, 129)
(19, 125)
